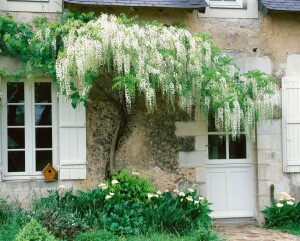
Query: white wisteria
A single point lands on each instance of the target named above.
(186, 69)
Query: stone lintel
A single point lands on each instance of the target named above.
(190, 128)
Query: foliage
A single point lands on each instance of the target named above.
(143, 57)
(197, 235)
(285, 213)
(13, 218)
(179, 214)
(33, 231)
(133, 187)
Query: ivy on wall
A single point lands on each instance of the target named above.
(138, 57)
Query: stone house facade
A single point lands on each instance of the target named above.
(167, 146)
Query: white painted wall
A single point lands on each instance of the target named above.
(38, 6)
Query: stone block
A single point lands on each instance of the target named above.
(264, 157)
(258, 63)
(263, 172)
(201, 174)
(190, 128)
(269, 127)
(201, 143)
(269, 142)
(192, 159)
(292, 66)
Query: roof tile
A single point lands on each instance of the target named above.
(184, 4)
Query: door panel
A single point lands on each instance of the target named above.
(230, 191)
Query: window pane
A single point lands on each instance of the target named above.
(43, 137)
(42, 159)
(43, 115)
(15, 115)
(237, 148)
(42, 92)
(16, 161)
(216, 147)
(15, 92)
(16, 138)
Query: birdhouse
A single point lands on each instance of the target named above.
(49, 173)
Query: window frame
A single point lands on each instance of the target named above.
(30, 148)
(227, 160)
(224, 4)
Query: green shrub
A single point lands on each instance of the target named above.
(99, 235)
(33, 231)
(177, 214)
(132, 187)
(123, 217)
(284, 213)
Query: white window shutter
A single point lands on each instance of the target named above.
(72, 141)
(291, 123)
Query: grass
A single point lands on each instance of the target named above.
(103, 235)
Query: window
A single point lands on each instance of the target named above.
(222, 148)
(226, 3)
(28, 128)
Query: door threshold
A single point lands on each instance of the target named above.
(234, 221)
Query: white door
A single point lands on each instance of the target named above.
(229, 176)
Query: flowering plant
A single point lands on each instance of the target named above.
(285, 212)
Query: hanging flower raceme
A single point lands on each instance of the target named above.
(152, 58)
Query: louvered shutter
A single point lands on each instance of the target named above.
(72, 141)
(291, 123)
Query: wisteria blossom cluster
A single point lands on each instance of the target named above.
(186, 69)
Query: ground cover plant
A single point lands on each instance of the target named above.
(283, 214)
(126, 207)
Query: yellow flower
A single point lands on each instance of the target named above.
(181, 194)
(114, 182)
(280, 205)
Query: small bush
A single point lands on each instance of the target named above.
(33, 231)
(99, 235)
(282, 214)
(177, 214)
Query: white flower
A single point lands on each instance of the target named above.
(201, 198)
(181, 194)
(114, 182)
(103, 186)
(155, 195)
(289, 203)
(176, 191)
(196, 202)
(159, 192)
(190, 189)
(167, 190)
(135, 173)
(284, 193)
(149, 195)
(111, 194)
(280, 205)
(108, 197)
(61, 187)
(189, 198)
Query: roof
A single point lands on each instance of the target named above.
(179, 4)
(279, 5)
